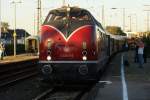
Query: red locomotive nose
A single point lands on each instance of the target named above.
(67, 48)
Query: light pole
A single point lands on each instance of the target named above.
(103, 16)
(110, 20)
(148, 20)
(0, 20)
(134, 18)
(14, 34)
(123, 17)
(114, 15)
(63, 2)
(136, 21)
(25, 40)
(130, 24)
(39, 14)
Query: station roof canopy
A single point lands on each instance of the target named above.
(32, 37)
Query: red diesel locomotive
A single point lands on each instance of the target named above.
(73, 45)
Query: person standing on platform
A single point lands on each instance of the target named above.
(125, 48)
(3, 46)
(145, 53)
(1, 51)
(136, 53)
(140, 53)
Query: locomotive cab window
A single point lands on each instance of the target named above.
(75, 14)
(68, 21)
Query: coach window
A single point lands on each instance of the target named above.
(100, 35)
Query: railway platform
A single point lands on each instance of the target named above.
(121, 82)
(17, 58)
(17, 68)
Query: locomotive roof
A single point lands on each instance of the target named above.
(75, 11)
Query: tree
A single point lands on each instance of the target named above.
(115, 30)
(4, 27)
(7, 33)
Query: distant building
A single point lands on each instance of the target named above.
(7, 36)
(132, 34)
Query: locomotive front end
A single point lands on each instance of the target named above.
(68, 47)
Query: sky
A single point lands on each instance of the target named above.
(27, 12)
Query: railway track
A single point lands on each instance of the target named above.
(17, 71)
(63, 93)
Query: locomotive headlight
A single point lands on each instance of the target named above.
(84, 45)
(49, 43)
(84, 58)
(49, 58)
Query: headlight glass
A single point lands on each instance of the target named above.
(84, 58)
(49, 58)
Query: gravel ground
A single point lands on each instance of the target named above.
(25, 90)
